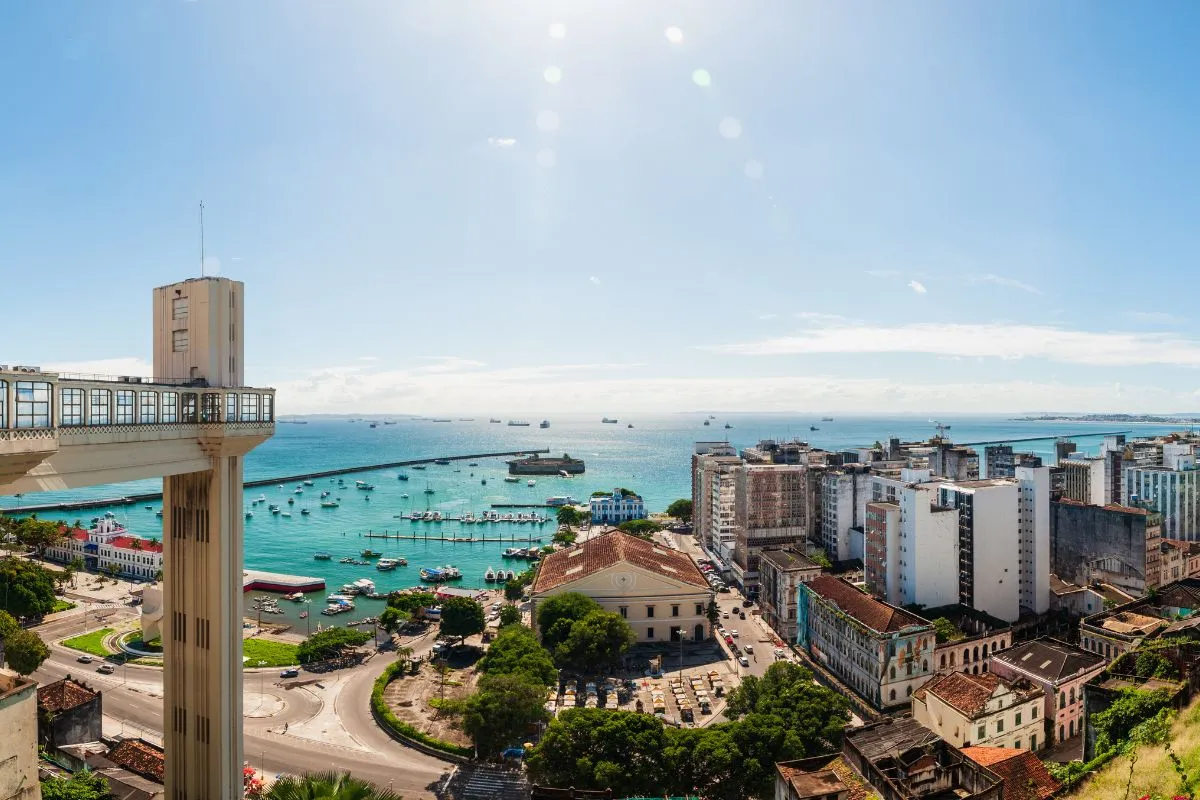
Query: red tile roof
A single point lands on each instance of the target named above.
(967, 694)
(140, 758)
(1025, 777)
(875, 614)
(601, 552)
(123, 542)
(63, 696)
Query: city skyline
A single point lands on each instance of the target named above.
(612, 207)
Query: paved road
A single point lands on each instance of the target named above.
(302, 729)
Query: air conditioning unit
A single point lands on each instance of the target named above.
(130, 379)
(26, 369)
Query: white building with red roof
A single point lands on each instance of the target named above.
(659, 591)
(107, 543)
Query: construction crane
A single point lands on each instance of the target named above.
(941, 429)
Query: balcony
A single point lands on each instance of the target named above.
(60, 432)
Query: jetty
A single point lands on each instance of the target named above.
(132, 499)
(417, 537)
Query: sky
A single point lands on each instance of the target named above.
(617, 205)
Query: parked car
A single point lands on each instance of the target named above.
(747, 603)
(290, 673)
(725, 615)
(745, 662)
(729, 640)
(106, 669)
(84, 659)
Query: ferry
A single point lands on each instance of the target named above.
(339, 598)
(826, 419)
(402, 477)
(544, 424)
(322, 556)
(511, 479)
(337, 608)
(608, 421)
(514, 423)
(364, 486)
(329, 504)
(442, 461)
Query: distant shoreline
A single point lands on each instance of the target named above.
(1149, 419)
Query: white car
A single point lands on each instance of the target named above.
(749, 649)
(733, 633)
(745, 662)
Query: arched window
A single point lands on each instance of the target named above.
(908, 691)
(943, 661)
(924, 665)
(1072, 728)
(952, 659)
(993, 647)
(976, 654)
(1072, 698)
(892, 694)
(985, 667)
(1062, 700)
(892, 672)
(1061, 733)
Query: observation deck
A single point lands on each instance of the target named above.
(64, 431)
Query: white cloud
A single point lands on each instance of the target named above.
(594, 280)
(497, 141)
(989, 340)
(1011, 283)
(917, 287)
(1153, 317)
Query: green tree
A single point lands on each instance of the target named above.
(680, 510)
(1131, 708)
(412, 602)
(516, 650)
(558, 613)
(564, 537)
(24, 651)
(393, 619)
(26, 589)
(39, 534)
(596, 641)
(503, 711)
(946, 631)
(821, 559)
(329, 643)
(597, 748)
(462, 617)
(510, 615)
(816, 715)
(515, 588)
(713, 613)
(569, 515)
(327, 786)
(83, 785)
(640, 527)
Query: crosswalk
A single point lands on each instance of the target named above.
(494, 784)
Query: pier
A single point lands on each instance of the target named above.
(1044, 438)
(416, 537)
(132, 499)
(522, 505)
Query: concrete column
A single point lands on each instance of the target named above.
(202, 628)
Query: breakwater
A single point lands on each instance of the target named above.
(146, 497)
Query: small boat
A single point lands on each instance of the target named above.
(373, 425)
(420, 466)
(826, 419)
(630, 425)
(562, 473)
(369, 553)
(298, 491)
(158, 513)
(490, 575)
(483, 481)
(308, 483)
(402, 477)
(249, 515)
(322, 556)
(706, 422)
(544, 423)
(429, 490)
(304, 512)
(291, 501)
(295, 597)
(364, 486)
(727, 426)
(262, 498)
(403, 497)
(511, 479)
(387, 564)
(513, 552)
(329, 504)
(149, 508)
(339, 598)
(531, 482)
(286, 514)
(494, 421)
(813, 428)
(608, 421)
(442, 461)
(473, 464)
(303, 615)
(275, 510)
(347, 560)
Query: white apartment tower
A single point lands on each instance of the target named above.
(988, 544)
(928, 557)
(1033, 484)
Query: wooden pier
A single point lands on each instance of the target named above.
(416, 537)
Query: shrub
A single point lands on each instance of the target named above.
(400, 726)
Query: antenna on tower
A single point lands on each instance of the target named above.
(201, 238)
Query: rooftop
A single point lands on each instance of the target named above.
(120, 542)
(63, 696)
(832, 774)
(139, 757)
(892, 736)
(788, 559)
(1128, 622)
(1025, 776)
(1048, 659)
(969, 694)
(601, 552)
(875, 614)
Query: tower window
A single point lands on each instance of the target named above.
(179, 341)
(179, 308)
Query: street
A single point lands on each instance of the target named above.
(326, 725)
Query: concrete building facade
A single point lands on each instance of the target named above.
(1001, 462)
(928, 557)
(881, 563)
(771, 507)
(714, 494)
(1060, 670)
(1033, 519)
(983, 709)
(1113, 544)
(780, 573)
(19, 742)
(844, 491)
(1173, 493)
(1083, 480)
(881, 652)
(988, 544)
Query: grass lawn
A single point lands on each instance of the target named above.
(276, 654)
(91, 642)
(61, 605)
(1153, 773)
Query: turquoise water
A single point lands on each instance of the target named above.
(652, 458)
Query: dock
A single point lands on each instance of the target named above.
(416, 537)
(1044, 438)
(522, 505)
(257, 580)
(75, 505)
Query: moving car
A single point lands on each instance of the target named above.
(745, 662)
(106, 669)
(84, 659)
(750, 649)
(733, 633)
(290, 673)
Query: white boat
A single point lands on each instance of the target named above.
(385, 564)
(531, 482)
(305, 512)
(562, 473)
(513, 552)
(308, 483)
(511, 479)
(295, 597)
(490, 575)
(286, 514)
(329, 504)
(262, 498)
(403, 497)
(365, 586)
(364, 486)
(339, 598)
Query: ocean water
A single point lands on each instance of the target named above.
(652, 458)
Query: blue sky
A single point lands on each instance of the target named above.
(618, 204)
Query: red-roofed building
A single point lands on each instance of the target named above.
(882, 652)
(660, 591)
(982, 709)
(1025, 776)
(107, 543)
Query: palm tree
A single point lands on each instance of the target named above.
(327, 786)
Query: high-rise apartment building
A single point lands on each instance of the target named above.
(1172, 492)
(952, 461)
(988, 544)
(703, 470)
(881, 562)
(1033, 568)
(771, 507)
(1001, 462)
(715, 503)
(1084, 480)
(844, 491)
(928, 548)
